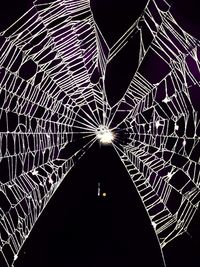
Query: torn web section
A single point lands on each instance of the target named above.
(157, 161)
(143, 31)
(123, 56)
(161, 151)
(150, 169)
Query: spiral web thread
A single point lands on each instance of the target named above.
(53, 62)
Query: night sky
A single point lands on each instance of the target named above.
(80, 229)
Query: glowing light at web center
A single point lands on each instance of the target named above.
(104, 135)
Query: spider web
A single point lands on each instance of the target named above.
(53, 62)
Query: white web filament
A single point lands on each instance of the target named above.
(62, 95)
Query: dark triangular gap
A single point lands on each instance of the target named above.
(121, 69)
(115, 17)
(80, 229)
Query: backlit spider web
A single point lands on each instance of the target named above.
(53, 62)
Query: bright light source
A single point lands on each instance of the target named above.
(106, 138)
(104, 135)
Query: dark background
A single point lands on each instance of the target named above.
(80, 229)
